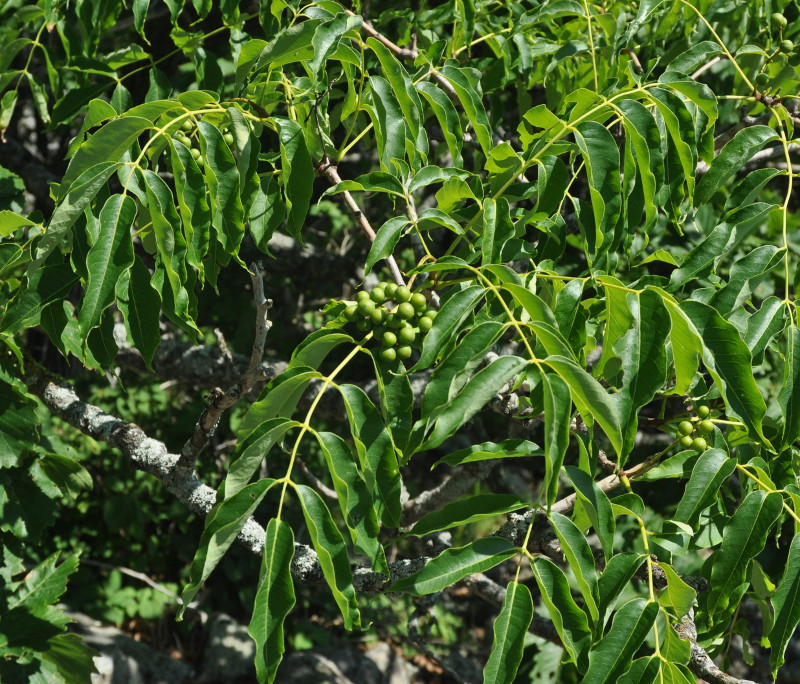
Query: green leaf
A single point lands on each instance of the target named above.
(580, 559)
(297, 175)
(332, 553)
(509, 448)
(44, 584)
(480, 389)
(18, 423)
(375, 451)
(390, 126)
(497, 230)
(678, 594)
(278, 398)
(731, 159)
(712, 468)
(510, 629)
(44, 285)
(466, 510)
(786, 605)
(72, 658)
(109, 257)
(612, 656)
(728, 360)
(680, 125)
(763, 326)
(66, 473)
(615, 578)
(446, 116)
(453, 565)
(751, 267)
(386, 239)
(643, 671)
(557, 419)
(789, 396)
(743, 539)
(695, 57)
(274, 599)
(590, 398)
(326, 38)
(467, 90)
(354, 499)
(570, 621)
(598, 507)
(223, 524)
(140, 305)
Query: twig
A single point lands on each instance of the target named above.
(218, 400)
(136, 575)
(318, 484)
(710, 63)
(328, 169)
(635, 59)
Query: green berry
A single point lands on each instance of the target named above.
(388, 354)
(786, 47)
(378, 316)
(228, 138)
(390, 289)
(363, 324)
(778, 21)
(699, 444)
(762, 79)
(195, 152)
(406, 335)
(703, 411)
(794, 59)
(705, 426)
(686, 441)
(431, 313)
(378, 295)
(351, 313)
(382, 284)
(362, 295)
(394, 321)
(403, 294)
(200, 161)
(389, 339)
(686, 428)
(187, 125)
(366, 307)
(418, 301)
(405, 311)
(404, 352)
(425, 324)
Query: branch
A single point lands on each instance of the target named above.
(327, 169)
(219, 401)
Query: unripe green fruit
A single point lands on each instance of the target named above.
(366, 307)
(351, 313)
(394, 321)
(378, 295)
(200, 161)
(361, 295)
(425, 324)
(382, 285)
(378, 316)
(388, 354)
(363, 324)
(703, 411)
(390, 289)
(699, 444)
(686, 428)
(705, 426)
(786, 47)
(405, 311)
(187, 125)
(794, 59)
(389, 339)
(686, 441)
(778, 21)
(431, 313)
(762, 79)
(195, 152)
(228, 138)
(404, 352)
(406, 335)
(403, 294)
(418, 301)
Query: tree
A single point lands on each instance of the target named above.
(573, 394)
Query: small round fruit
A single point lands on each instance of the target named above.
(705, 426)
(351, 313)
(366, 307)
(403, 294)
(361, 295)
(703, 411)
(794, 59)
(778, 21)
(382, 284)
(404, 352)
(378, 295)
(200, 161)
(686, 428)
(228, 138)
(431, 313)
(388, 354)
(699, 444)
(363, 324)
(425, 324)
(389, 339)
(418, 301)
(406, 335)
(405, 311)
(187, 125)
(686, 441)
(378, 316)
(762, 79)
(390, 289)
(195, 152)
(394, 321)
(786, 47)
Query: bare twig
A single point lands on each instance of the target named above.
(710, 63)
(328, 169)
(218, 400)
(136, 575)
(635, 59)
(315, 482)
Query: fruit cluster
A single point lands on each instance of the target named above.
(183, 136)
(702, 427)
(398, 318)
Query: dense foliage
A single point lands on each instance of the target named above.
(533, 269)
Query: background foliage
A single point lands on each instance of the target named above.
(596, 428)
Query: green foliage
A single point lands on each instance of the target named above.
(577, 230)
